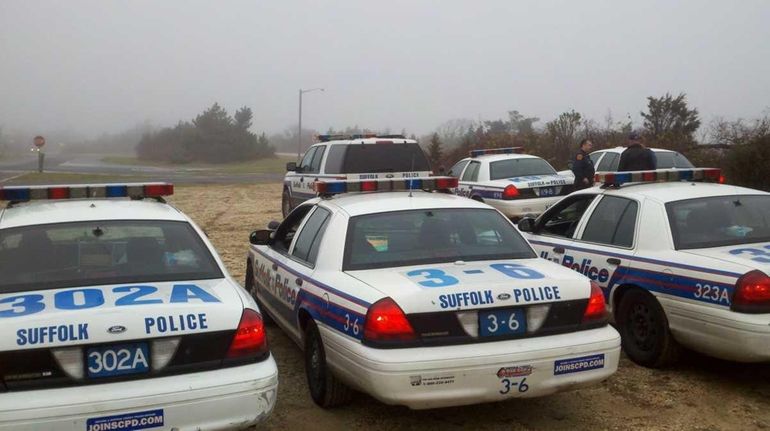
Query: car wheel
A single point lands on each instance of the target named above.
(285, 203)
(644, 331)
(325, 389)
(251, 287)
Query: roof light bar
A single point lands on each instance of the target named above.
(661, 175)
(132, 190)
(346, 137)
(328, 188)
(508, 150)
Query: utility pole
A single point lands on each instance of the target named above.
(299, 132)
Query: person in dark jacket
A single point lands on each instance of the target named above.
(637, 157)
(583, 166)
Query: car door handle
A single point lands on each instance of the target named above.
(298, 282)
(302, 179)
(559, 250)
(275, 267)
(613, 261)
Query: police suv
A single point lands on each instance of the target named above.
(680, 261)
(517, 184)
(118, 314)
(354, 157)
(425, 299)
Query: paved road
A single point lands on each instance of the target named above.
(93, 164)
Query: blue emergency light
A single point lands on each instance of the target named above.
(507, 150)
(328, 188)
(132, 190)
(661, 175)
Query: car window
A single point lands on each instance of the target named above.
(307, 159)
(102, 252)
(664, 159)
(512, 168)
(612, 222)
(376, 158)
(284, 235)
(334, 159)
(315, 164)
(417, 237)
(564, 217)
(310, 236)
(609, 162)
(720, 221)
(457, 169)
(682, 162)
(472, 172)
(595, 156)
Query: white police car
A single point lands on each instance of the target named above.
(117, 314)
(516, 184)
(352, 157)
(681, 262)
(425, 299)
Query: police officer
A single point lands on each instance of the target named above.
(583, 166)
(637, 157)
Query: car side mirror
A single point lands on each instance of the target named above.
(291, 166)
(273, 225)
(260, 237)
(527, 224)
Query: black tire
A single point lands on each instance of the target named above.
(325, 389)
(644, 331)
(285, 203)
(251, 287)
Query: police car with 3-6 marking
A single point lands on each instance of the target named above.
(681, 262)
(517, 184)
(388, 291)
(117, 314)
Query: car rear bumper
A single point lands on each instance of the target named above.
(431, 377)
(228, 398)
(518, 208)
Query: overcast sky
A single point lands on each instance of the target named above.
(99, 66)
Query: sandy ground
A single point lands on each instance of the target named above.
(699, 393)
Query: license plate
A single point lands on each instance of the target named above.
(118, 360)
(502, 322)
(547, 191)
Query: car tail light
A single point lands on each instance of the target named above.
(752, 293)
(387, 323)
(721, 179)
(510, 192)
(596, 309)
(250, 340)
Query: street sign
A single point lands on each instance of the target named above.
(39, 141)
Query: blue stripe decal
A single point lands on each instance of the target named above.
(317, 283)
(337, 317)
(670, 284)
(642, 259)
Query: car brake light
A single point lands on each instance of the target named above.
(596, 309)
(510, 191)
(752, 293)
(250, 339)
(386, 322)
(721, 179)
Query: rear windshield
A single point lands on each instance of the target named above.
(375, 158)
(104, 252)
(418, 237)
(719, 221)
(668, 160)
(512, 168)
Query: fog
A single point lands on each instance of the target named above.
(98, 66)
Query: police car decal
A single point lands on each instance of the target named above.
(576, 365)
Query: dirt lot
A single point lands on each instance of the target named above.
(699, 394)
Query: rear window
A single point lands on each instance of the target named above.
(669, 160)
(719, 221)
(375, 158)
(419, 237)
(512, 168)
(103, 252)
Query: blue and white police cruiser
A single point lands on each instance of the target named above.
(681, 262)
(517, 184)
(118, 314)
(425, 299)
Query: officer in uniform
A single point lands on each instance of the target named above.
(583, 166)
(637, 157)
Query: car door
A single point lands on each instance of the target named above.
(605, 243)
(555, 229)
(310, 169)
(469, 178)
(457, 172)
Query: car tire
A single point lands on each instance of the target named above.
(644, 330)
(285, 203)
(326, 390)
(251, 287)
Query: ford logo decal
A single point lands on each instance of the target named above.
(117, 329)
(503, 296)
(389, 176)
